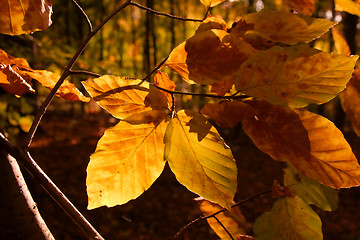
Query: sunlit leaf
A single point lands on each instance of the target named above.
(25, 122)
(289, 219)
(349, 101)
(127, 160)
(305, 7)
(286, 27)
(311, 191)
(211, 3)
(24, 16)
(350, 6)
(233, 220)
(209, 56)
(295, 76)
(340, 44)
(213, 22)
(199, 158)
(310, 142)
(162, 80)
(123, 97)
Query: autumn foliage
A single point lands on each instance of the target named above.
(262, 72)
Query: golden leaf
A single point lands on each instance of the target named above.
(162, 80)
(305, 7)
(350, 6)
(209, 56)
(286, 27)
(123, 97)
(24, 16)
(310, 142)
(211, 3)
(340, 44)
(127, 160)
(213, 22)
(233, 220)
(200, 159)
(294, 76)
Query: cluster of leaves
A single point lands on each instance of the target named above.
(264, 74)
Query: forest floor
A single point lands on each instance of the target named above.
(63, 146)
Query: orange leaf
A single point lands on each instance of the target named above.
(214, 22)
(305, 7)
(211, 3)
(311, 143)
(162, 80)
(222, 87)
(350, 6)
(340, 44)
(24, 16)
(209, 56)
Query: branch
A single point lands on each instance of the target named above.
(201, 218)
(84, 14)
(84, 72)
(30, 165)
(222, 225)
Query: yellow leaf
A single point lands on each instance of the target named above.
(200, 159)
(310, 142)
(340, 44)
(209, 56)
(211, 3)
(127, 160)
(286, 27)
(305, 7)
(350, 6)
(233, 220)
(123, 97)
(24, 16)
(295, 76)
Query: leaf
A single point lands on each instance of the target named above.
(286, 27)
(305, 7)
(211, 3)
(213, 22)
(123, 97)
(227, 114)
(340, 44)
(351, 107)
(199, 158)
(25, 122)
(289, 218)
(209, 56)
(127, 160)
(310, 142)
(24, 16)
(222, 87)
(233, 220)
(162, 80)
(295, 76)
(350, 6)
(310, 191)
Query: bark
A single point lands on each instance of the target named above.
(19, 215)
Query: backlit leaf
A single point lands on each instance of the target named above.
(209, 56)
(200, 159)
(127, 160)
(213, 22)
(350, 6)
(233, 220)
(295, 76)
(211, 3)
(310, 142)
(289, 219)
(123, 97)
(24, 16)
(340, 44)
(305, 7)
(311, 191)
(286, 27)
(162, 80)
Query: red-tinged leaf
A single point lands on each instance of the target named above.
(286, 27)
(222, 87)
(305, 7)
(278, 190)
(340, 44)
(210, 56)
(294, 76)
(211, 3)
(200, 159)
(350, 6)
(310, 142)
(233, 220)
(227, 114)
(162, 80)
(123, 97)
(24, 16)
(127, 160)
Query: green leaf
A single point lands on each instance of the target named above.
(200, 159)
(289, 219)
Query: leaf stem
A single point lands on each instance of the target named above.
(222, 225)
(84, 72)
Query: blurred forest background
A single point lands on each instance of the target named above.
(132, 44)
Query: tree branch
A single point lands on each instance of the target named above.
(84, 72)
(222, 225)
(85, 15)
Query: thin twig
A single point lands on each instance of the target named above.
(84, 72)
(84, 14)
(222, 225)
(163, 14)
(25, 159)
(155, 69)
(65, 74)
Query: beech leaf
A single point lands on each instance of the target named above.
(210, 56)
(24, 16)
(211, 3)
(127, 160)
(295, 76)
(310, 142)
(289, 218)
(200, 159)
(286, 27)
(305, 7)
(162, 80)
(123, 97)
(350, 6)
(233, 220)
